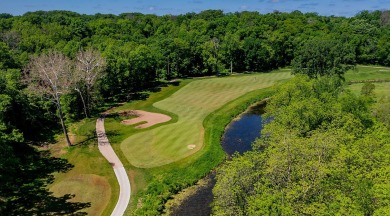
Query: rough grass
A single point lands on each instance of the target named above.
(89, 188)
(192, 103)
(381, 89)
(92, 178)
(363, 72)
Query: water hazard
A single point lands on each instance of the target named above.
(243, 131)
(238, 137)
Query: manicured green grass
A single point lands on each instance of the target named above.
(192, 103)
(209, 104)
(363, 72)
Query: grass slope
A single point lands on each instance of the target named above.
(89, 188)
(92, 178)
(192, 103)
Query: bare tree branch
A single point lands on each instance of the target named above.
(49, 76)
(90, 66)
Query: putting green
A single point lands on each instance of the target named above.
(192, 103)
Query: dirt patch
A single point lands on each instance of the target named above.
(143, 116)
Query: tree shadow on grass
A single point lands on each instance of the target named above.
(140, 95)
(24, 181)
(112, 133)
(90, 138)
(137, 96)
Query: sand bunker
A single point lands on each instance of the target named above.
(148, 117)
(191, 146)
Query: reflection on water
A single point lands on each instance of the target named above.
(198, 204)
(243, 131)
(239, 135)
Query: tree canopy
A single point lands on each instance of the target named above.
(323, 153)
(323, 57)
(200, 44)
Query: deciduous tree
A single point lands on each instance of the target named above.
(323, 57)
(90, 66)
(49, 75)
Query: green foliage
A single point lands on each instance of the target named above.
(382, 111)
(368, 89)
(186, 45)
(322, 154)
(323, 57)
(6, 58)
(25, 172)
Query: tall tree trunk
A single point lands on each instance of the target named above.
(62, 122)
(82, 99)
(231, 66)
(89, 98)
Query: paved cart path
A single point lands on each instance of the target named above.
(120, 172)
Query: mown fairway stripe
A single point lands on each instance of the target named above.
(192, 104)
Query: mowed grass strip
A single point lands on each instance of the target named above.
(192, 103)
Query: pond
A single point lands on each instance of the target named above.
(238, 137)
(243, 131)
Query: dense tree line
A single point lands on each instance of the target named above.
(141, 49)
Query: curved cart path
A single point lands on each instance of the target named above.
(120, 172)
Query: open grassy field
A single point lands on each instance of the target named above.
(363, 73)
(192, 103)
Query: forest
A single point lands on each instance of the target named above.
(132, 52)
